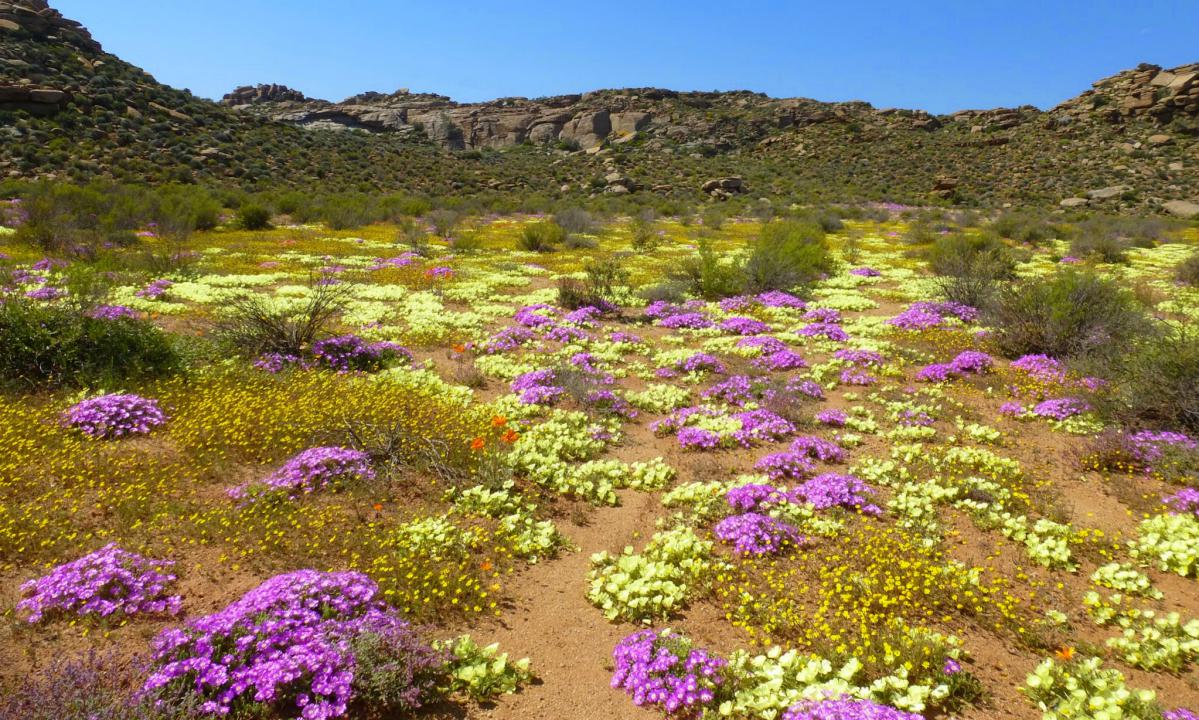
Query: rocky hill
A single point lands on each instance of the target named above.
(70, 110)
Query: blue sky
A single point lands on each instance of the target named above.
(940, 56)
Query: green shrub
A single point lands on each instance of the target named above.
(705, 275)
(1157, 383)
(57, 345)
(1104, 247)
(575, 221)
(253, 217)
(542, 237)
(1187, 272)
(970, 266)
(1025, 227)
(787, 255)
(254, 325)
(1073, 314)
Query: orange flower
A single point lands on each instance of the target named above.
(477, 443)
(510, 436)
(499, 421)
(377, 506)
(486, 566)
(1065, 653)
(459, 348)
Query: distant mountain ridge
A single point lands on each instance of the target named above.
(69, 110)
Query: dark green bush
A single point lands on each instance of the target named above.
(787, 255)
(1157, 383)
(1187, 272)
(969, 267)
(1073, 314)
(253, 217)
(61, 345)
(705, 275)
(1025, 227)
(542, 237)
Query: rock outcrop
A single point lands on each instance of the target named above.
(1144, 91)
(42, 21)
(255, 94)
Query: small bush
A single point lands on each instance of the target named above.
(444, 220)
(253, 217)
(970, 266)
(1187, 272)
(1070, 315)
(541, 237)
(1025, 227)
(1157, 383)
(64, 345)
(644, 230)
(576, 221)
(255, 326)
(787, 255)
(708, 277)
(1108, 248)
(671, 291)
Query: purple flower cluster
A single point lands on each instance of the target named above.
(700, 362)
(155, 290)
(755, 496)
(1060, 408)
(835, 418)
(970, 362)
(108, 582)
(532, 316)
(819, 448)
(823, 315)
(660, 309)
(753, 533)
(857, 376)
(761, 426)
(691, 321)
(663, 670)
(275, 363)
(47, 292)
(735, 390)
(738, 325)
(314, 469)
(350, 353)
(785, 359)
(836, 490)
(624, 337)
(111, 312)
(287, 644)
(926, 315)
(811, 388)
(115, 416)
(401, 260)
(865, 272)
(780, 299)
(508, 339)
(844, 708)
(1183, 502)
(829, 330)
(789, 465)
(1180, 714)
(1148, 446)
(536, 387)
(860, 358)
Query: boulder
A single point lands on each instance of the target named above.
(589, 129)
(1182, 208)
(725, 187)
(1074, 202)
(1108, 193)
(1159, 139)
(627, 123)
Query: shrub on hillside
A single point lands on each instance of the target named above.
(708, 276)
(43, 344)
(970, 266)
(1072, 314)
(1157, 383)
(253, 217)
(786, 255)
(254, 325)
(1025, 227)
(541, 237)
(1187, 272)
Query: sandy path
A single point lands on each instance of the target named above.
(567, 638)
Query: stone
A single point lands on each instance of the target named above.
(1108, 193)
(589, 129)
(51, 97)
(1162, 79)
(1074, 202)
(627, 123)
(9, 25)
(1159, 140)
(1182, 208)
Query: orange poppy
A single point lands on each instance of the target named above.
(499, 421)
(477, 443)
(377, 506)
(1065, 654)
(486, 566)
(459, 348)
(510, 436)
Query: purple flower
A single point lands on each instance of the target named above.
(108, 582)
(115, 416)
(756, 534)
(832, 331)
(865, 272)
(664, 671)
(951, 667)
(111, 312)
(48, 292)
(835, 490)
(1040, 367)
(536, 387)
(1011, 408)
(761, 426)
(823, 315)
(1185, 501)
(744, 326)
(289, 644)
(315, 469)
(789, 465)
(754, 497)
(972, 362)
(785, 359)
(735, 390)
(835, 418)
(845, 709)
(693, 321)
(1060, 408)
(155, 290)
(819, 448)
(778, 298)
(860, 358)
(349, 353)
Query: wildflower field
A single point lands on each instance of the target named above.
(490, 473)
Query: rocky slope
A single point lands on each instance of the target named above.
(70, 110)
